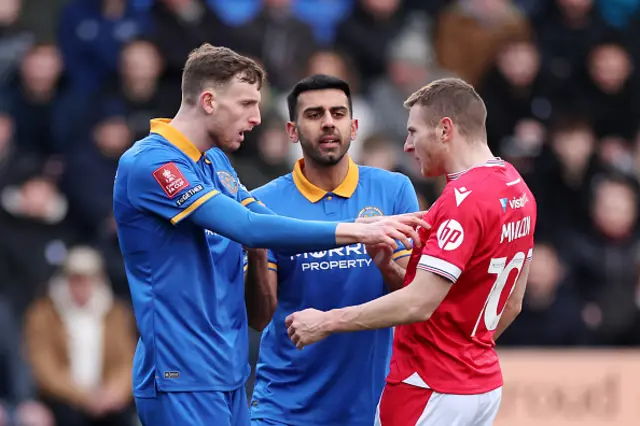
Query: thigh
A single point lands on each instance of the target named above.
(401, 405)
(185, 408)
(239, 407)
(489, 406)
(66, 415)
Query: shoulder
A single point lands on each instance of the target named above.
(218, 158)
(369, 175)
(275, 188)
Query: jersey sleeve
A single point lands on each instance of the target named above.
(407, 203)
(454, 235)
(167, 186)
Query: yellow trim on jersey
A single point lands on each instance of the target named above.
(402, 253)
(272, 267)
(186, 212)
(315, 194)
(162, 127)
(248, 201)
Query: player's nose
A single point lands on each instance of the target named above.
(255, 119)
(408, 146)
(327, 122)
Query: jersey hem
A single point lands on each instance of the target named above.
(467, 391)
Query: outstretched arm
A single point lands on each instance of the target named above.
(413, 303)
(230, 219)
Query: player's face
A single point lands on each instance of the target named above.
(425, 143)
(324, 126)
(235, 110)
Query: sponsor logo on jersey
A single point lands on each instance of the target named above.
(504, 202)
(514, 203)
(370, 212)
(170, 179)
(450, 235)
(353, 256)
(229, 181)
(461, 193)
(514, 230)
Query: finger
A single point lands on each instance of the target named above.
(300, 345)
(288, 321)
(408, 232)
(416, 221)
(291, 330)
(397, 235)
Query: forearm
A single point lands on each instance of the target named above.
(397, 308)
(393, 275)
(260, 294)
(231, 220)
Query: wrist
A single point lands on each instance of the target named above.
(331, 321)
(348, 233)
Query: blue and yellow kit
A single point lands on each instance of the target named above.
(337, 381)
(186, 283)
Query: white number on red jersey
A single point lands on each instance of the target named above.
(502, 269)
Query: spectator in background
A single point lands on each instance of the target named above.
(366, 35)
(514, 91)
(35, 233)
(282, 42)
(562, 174)
(34, 100)
(17, 406)
(566, 33)
(612, 93)
(606, 262)
(140, 89)
(91, 167)
(91, 34)
(551, 313)
(14, 40)
(409, 66)
(180, 26)
(470, 33)
(80, 343)
(378, 151)
(272, 155)
(41, 18)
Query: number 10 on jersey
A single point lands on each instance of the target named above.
(502, 269)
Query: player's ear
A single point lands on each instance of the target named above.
(445, 129)
(207, 101)
(292, 132)
(354, 129)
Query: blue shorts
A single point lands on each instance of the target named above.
(266, 422)
(195, 409)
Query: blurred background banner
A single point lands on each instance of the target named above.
(570, 388)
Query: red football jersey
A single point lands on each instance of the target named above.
(481, 235)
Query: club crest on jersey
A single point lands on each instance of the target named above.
(370, 211)
(229, 181)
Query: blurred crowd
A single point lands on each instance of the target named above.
(80, 80)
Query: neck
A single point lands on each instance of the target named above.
(468, 155)
(327, 178)
(187, 123)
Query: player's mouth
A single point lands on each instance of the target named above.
(330, 141)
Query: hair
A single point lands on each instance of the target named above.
(313, 83)
(217, 66)
(453, 98)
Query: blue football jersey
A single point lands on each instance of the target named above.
(337, 381)
(186, 283)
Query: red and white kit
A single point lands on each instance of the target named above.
(445, 371)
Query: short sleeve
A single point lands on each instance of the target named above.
(245, 197)
(407, 203)
(453, 237)
(167, 186)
